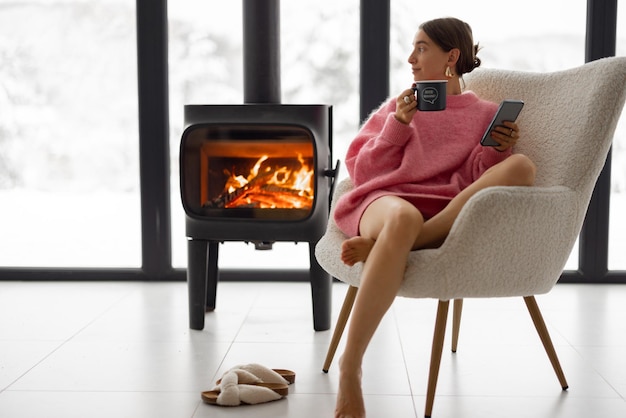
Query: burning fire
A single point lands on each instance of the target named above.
(269, 186)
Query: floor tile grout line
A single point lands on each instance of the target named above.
(582, 357)
(406, 369)
(595, 369)
(67, 340)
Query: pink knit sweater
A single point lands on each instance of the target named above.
(427, 162)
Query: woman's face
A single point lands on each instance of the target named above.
(428, 61)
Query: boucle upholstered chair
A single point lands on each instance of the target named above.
(567, 128)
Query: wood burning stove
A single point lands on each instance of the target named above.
(258, 173)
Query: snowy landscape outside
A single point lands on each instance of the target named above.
(69, 154)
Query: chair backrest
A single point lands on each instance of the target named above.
(569, 118)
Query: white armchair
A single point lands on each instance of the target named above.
(512, 241)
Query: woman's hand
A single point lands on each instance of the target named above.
(406, 106)
(506, 135)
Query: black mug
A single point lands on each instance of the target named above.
(430, 94)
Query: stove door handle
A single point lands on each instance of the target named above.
(332, 173)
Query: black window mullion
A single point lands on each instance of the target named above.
(154, 155)
(594, 237)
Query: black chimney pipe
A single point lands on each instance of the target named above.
(375, 38)
(261, 51)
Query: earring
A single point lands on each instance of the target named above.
(449, 73)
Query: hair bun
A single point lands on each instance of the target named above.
(477, 60)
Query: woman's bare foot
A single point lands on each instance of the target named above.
(356, 249)
(350, 397)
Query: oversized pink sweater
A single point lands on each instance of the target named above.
(427, 162)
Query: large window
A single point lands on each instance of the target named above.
(69, 182)
(69, 140)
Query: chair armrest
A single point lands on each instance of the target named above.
(515, 239)
(498, 209)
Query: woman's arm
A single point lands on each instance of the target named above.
(379, 146)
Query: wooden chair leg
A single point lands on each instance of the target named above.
(344, 314)
(435, 356)
(540, 325)
(456, 322)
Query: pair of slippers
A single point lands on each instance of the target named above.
(250, 384)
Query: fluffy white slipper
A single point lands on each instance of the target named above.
(233, 392)
(265, 374)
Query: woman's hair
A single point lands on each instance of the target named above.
(449, 33)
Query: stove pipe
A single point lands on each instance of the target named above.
(261, 51)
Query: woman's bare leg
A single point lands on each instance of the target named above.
(389, 229)
(393, 225)
(517, 170)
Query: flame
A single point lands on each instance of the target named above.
(271, 187)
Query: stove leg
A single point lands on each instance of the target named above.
(197, 254)
(213, 275)
(321, 292)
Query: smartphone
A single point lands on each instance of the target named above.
(508, 110)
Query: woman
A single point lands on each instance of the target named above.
(413, 171)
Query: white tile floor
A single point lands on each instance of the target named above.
(124, 350)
